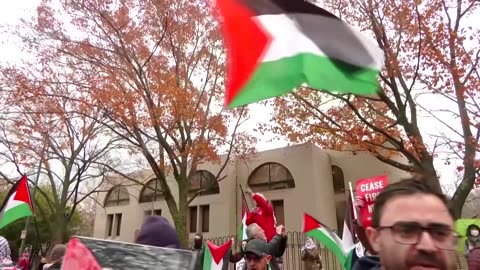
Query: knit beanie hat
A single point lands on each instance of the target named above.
(157, 231)
(57, 253)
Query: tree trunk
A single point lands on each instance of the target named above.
(59, 228)
(180, 218)
(429, 172)
(462, 191)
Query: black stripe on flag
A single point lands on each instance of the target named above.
(275, 7)
(10, 193)
(330, 34)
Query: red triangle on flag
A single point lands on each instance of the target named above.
(23, 193)
(310, 223)
(218, 252)
(246, 42)
(79, 257)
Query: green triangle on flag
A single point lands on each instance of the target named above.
(17, 204)
(216, 257)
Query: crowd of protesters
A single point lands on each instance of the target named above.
(413, 227)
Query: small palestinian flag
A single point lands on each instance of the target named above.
(216, 257)
(348, 236)
(242, 235)
(319, 231)
(17, 204)
(274, 46)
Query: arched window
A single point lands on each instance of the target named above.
(203, 179)
(270, 176)
(151, 191)
(117, 196)
(338, 179)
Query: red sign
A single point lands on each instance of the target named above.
(366, 191)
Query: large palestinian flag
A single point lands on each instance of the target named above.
(17, 204)
(274, 46)
(327, 237)
(216, 257)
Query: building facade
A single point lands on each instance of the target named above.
(296, 179)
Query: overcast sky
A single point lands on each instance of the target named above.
(12, 11)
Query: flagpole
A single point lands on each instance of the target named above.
(353, 200)
(244, 198)
(27, 222)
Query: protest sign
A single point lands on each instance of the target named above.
(97, 254)
(367, 190)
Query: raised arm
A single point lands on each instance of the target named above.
(262, 203)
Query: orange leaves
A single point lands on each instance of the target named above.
(428, 52)
(155, 67)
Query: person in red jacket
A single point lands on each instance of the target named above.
(262, 215)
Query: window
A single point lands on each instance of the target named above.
(338, 179)
(117, 196)
(118, 224)
(109, 225)
(152, 191)
(279, 211)
(205, 214)
(192, 218)
(156, 212)
(340, 206)
(270, 176)
(203, 179)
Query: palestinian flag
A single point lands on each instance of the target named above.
(274, 46)
(319, 231)
(242, 235)
(216, 257)
(348, 236)
(17, 204)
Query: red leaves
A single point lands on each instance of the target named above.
(422, 47)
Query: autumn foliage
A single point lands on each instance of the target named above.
(431, 55)
(42, 128)
(149, 71)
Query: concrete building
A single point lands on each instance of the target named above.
(296, 179)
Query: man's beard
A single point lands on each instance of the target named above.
(420, 259)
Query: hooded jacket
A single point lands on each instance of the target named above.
(263, 216)
(367, 263)
(156, 231)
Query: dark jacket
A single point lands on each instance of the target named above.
(235, 257)
(367, 263)
(473, 259)
(199, 262)
(55, 266)
(277, 247)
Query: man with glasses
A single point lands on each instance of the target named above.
(412, 228)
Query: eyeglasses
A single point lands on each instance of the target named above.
(410, 233)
